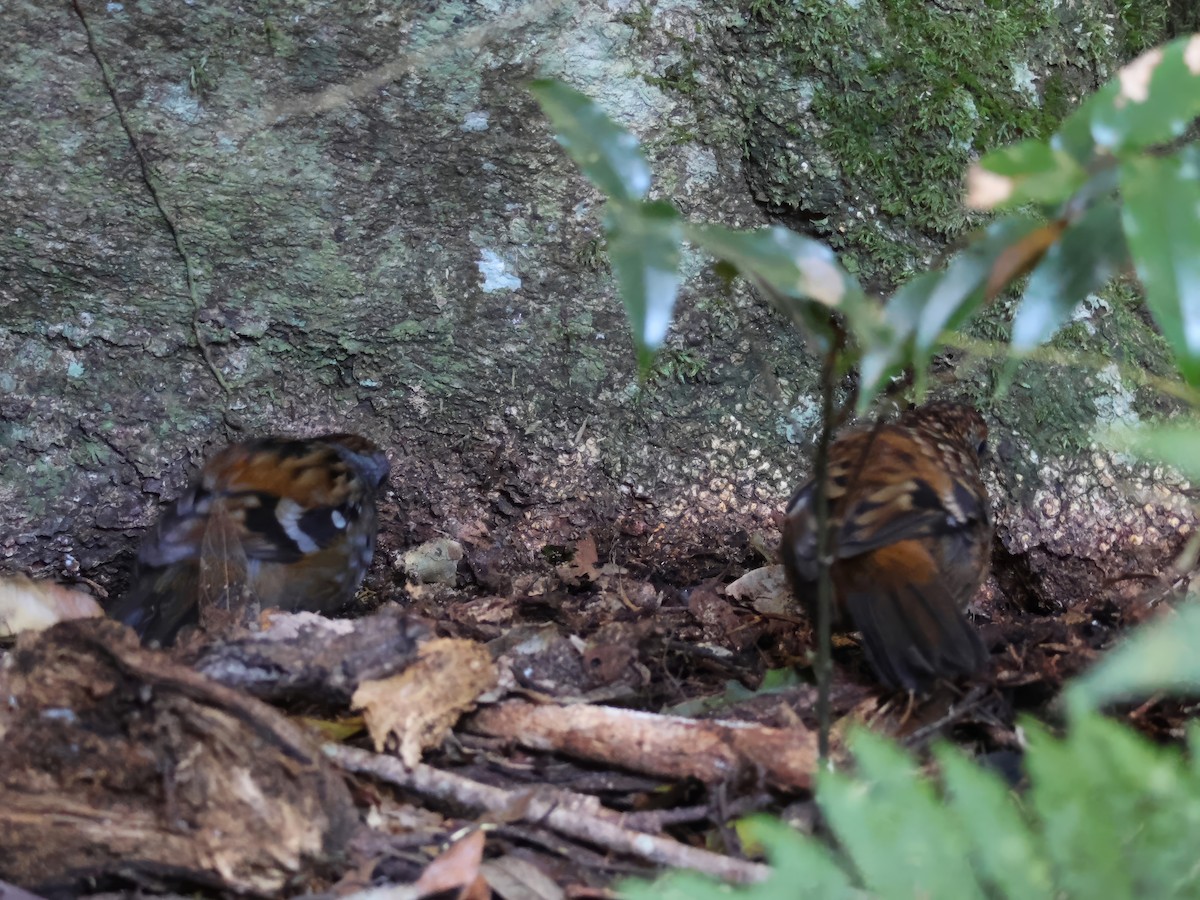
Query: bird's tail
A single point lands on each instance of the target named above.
(915, 633)
(159, 603)
(210, 589)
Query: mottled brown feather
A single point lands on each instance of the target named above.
(274, 522)
(911, 535)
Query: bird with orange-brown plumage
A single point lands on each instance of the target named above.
(911, 530)
(276, 522)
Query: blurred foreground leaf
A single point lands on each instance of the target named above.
(935, 302)
(803, 868)
(800, 276)
(1089, 253)
(1161, 656)
(606, 153)
(644, 244)
(1158, 96)
(1162, 223)
(1030, 171)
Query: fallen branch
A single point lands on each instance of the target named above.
(666, 746)
(573, 815)
(320, 661)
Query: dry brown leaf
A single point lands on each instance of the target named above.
(27, 605)
(456, 868)
(421, 704)
(583, 565)
(511, 877)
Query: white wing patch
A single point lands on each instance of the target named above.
(288, 513)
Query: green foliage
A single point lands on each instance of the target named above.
(1036, 172)
(606, 153)
(928, 305)
(1107, 814)
(1073, 233)
(1162, 196)
(1087, 255)
(1121, 138)
(1159, 657)
(802, 868)
(1174, 445)
(892, 826)
(644, 238)
(644, 245)
(793, 271)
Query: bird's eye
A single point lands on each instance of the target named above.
(981, 448)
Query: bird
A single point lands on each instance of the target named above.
(277, 521)
(910, 531)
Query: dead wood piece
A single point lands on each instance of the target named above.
(665, 746)
(573, 815)
(117, 761)
(305, 657)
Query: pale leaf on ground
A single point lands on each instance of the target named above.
(27, 605)
(421, 704)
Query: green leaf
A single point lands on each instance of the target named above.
(1160, 656)
(606, 153)
(801, 277)
(1028, 171)
(959, 291)
(900, 837)
(802, 867)
(1162, 225)
(1113, 807)
(915, 317)
(794, 266)
(1084, 847)
(644, 242)
(1004, 849)
(1087, 255)
(684, 886)
(1158, 96)
(887, 356)
(1074, 135)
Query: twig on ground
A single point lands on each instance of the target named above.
(654, 820)
(956, 711)
(568, 814)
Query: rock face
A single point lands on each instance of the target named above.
(413, 258)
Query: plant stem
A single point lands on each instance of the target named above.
(824, 553)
